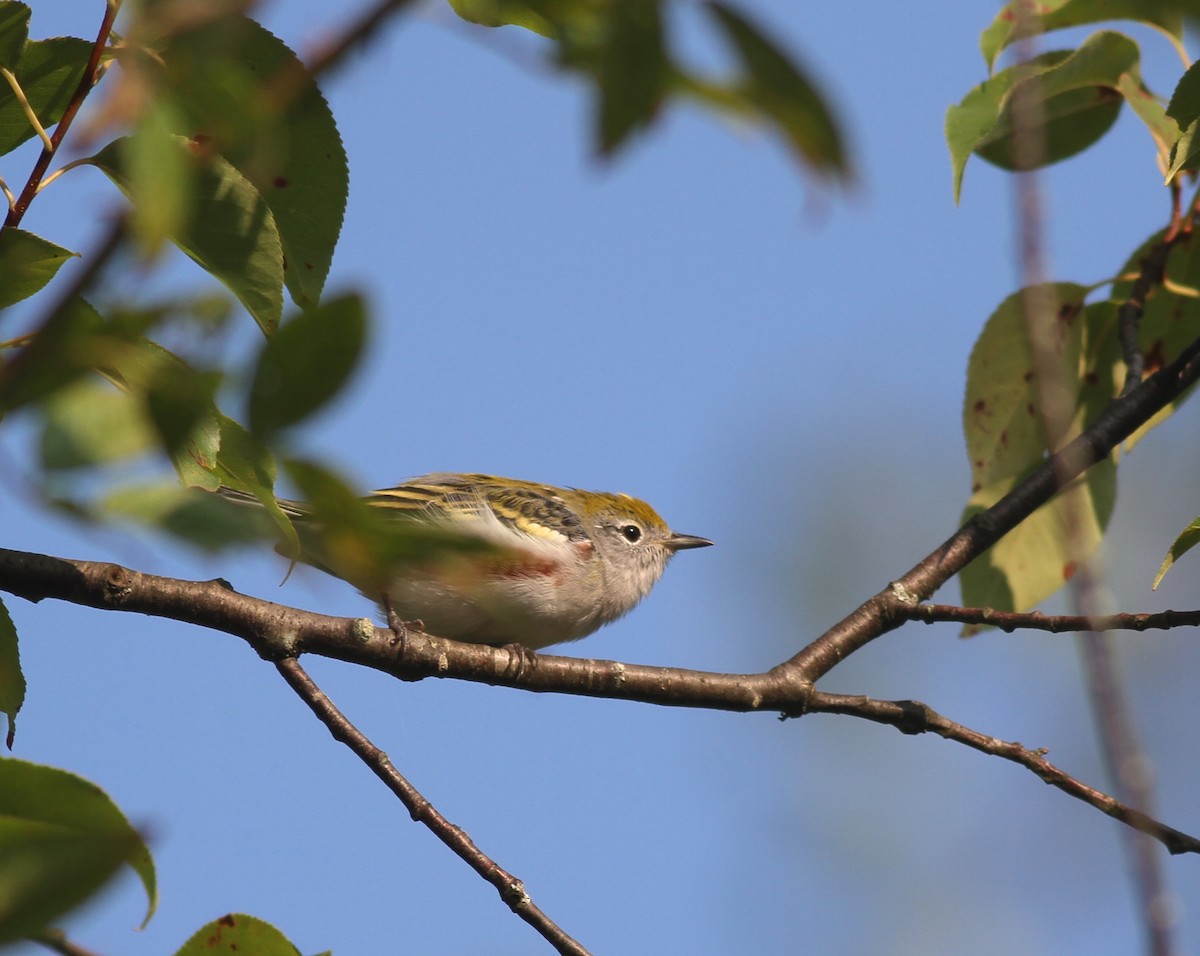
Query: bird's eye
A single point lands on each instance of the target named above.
(631, 533)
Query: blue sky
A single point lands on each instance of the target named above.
(773, 367)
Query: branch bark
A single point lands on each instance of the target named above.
(279, 633)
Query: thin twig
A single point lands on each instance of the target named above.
(1153, 273)
(19, 208)
(1010, 621)
(511, 889)
(15, 85)
(358, 32)
(56, 940)
(914, 717)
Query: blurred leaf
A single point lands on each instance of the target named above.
(368, 545)
(27, 264)
(161, 180)
(1079, 92)
(1165, 15)
(176, 398)
(45, 872)
(238, 459)
(631, 72)
(89, 424)
(499, 13)
(776, 85)
(12, 680)
(622, 46)
(1003, 428)
(1188, 539)
(199, 517)
(60, 353)
(14, 31)
(230, 233)
(61, 837)
(49, 72)
(1038, 556)
(306, 363)
(230, 84)
(180, 402)
(236, 935)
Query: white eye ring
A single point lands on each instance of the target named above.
(631, 533)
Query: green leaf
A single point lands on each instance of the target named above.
(1001, 422)
(230, 233)
(306, 363)
(1188, 539)
(776, 86)
(1006, 440)
(1009, 26)
(177, 399)
(240, 90)
(161, 177)
(89, 423)
(197, 517)
(49, 72)
(27, 264)
(61, 837)
(14, 31)
(500, 13)
(1185, 153)
(1185, 99)
(1170, 316)
(632, 72)
(1184, 109)
(1037, 557)
(235, 935)
(64, 350)
(12, 680)
(368, 545)
(242, 462)
(1079, 94)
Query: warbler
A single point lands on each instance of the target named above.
(565, 563)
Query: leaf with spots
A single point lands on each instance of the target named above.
(1170, 317)
(1003, 429)
(1040, 555)
(235, 934)
(1006, 439)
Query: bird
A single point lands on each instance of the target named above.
(528, 564)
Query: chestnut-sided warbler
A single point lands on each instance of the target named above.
(565, 561)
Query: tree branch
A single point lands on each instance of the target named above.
(889, 608)
(279, 633)
(86, 82)
(1009, 621)
(511, 889)
(914, 717)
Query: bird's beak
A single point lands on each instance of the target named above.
(681, 542)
